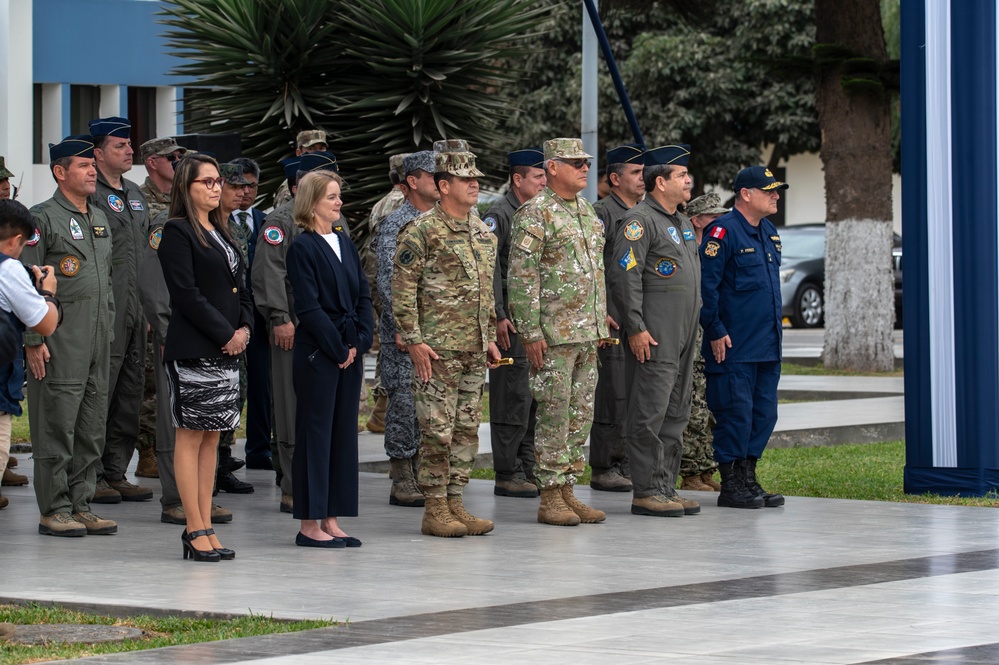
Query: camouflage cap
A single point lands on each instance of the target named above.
(396, 171)
(565, 149)
(163, 146)
(4, 173)
(455, 157)
(310, 137)
(233, 174)
(706, 204)
(424, 160)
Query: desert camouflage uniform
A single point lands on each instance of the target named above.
(443, 296)
(698, 453)
(156, 200)
(282, 195)
(555, 281)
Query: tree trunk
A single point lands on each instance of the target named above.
(857, 159)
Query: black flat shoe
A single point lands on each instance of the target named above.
(225, 553)
(351, 541)
(193, 552)
(304, 541)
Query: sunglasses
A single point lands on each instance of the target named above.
(211, 183)
(576, 163)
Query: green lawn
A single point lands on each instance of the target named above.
(793, 369)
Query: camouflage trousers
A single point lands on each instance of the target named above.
(402, 435)
(563, 389)
(449, 410)
(147, 411)
(698, 453)
(228, 437)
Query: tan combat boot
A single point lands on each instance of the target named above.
(690, 507)
(657, 506)
(586, 514)
(476, 526)
(553, 509)
(11, 479)
(376, 421)
(708, 478)
(438, 520)
(147, 467)
(695, 483)
(60, 524)
(96, 526)
(220, 515)
(404, 491)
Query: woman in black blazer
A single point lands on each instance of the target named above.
(335, 328)
(210, 318)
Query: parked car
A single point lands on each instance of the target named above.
(802, 274)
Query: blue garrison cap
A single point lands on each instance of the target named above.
(290, 167)
(533, 156)
(631, 153)
(117, 127)
(668, 154)
(79, 145)
(422, 160)
(318, 161)
(757, 177)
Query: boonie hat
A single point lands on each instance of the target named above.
(706, 204)
(310, 137)
(454, 156)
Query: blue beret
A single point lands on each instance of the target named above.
(631, 153)
(80, 145)
(757, 177)
(533, 156)
(422, 160)
(668, 154)
(118, 127)
(318, 161)
(290, 166)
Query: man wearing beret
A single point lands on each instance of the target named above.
(309, 140)
(402, 434)
(442, 289)
(608, 448)
(68, 370)
(512, 409)
(741, 317)
(5, 176)
(655, 284)
(555, 282)
(128, 217)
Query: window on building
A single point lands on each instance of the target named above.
(142, 114)
(84, 106)
(36, 141)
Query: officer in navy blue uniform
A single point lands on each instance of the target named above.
(741, 317)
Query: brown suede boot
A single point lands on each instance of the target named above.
(476, 526)
(404, 491)
(694, 483)
(11, 479)
(376, 421)
(586, 514)
(553, 509)
(438, 520)
(708, 478)
(147, 467)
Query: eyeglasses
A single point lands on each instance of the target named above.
(170, 158)
(211, 183)
(575, 163)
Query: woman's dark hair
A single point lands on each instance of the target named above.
(185, 172)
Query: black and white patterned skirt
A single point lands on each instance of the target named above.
(204, 393)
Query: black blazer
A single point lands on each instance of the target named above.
(207, 304)
(332, 297)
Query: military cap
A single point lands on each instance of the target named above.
(533, 156)
(668, 154)
(163, 147)
(233, 174)
(290, 167)
(423, 160)
(78, 145)
(318, 161)
(117, 127)
(565, 149)
(757, 177)
(396, 171)
(630, 153)
(706, 204)
(454, 156)
(310, 137)
(4, 173)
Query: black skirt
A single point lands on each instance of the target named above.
(204, 393)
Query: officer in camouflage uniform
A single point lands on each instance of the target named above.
(655, 284)
(442, 290)
(273, 298)
(68, 371)
(402, 434)
(697, 466)
(309, 140)
(608, 448)
(512, 409)
(126, 211)
(5, 176)
(555, 282)
(159, 156)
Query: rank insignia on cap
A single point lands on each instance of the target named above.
(35, 237)
(688, 234)
(135, 205)
(155, 237)
(273, 235)
(674, 235)
(491, 223)
(628, 260)
(405, 257)
(666, 267)
(711, 249)
(75, 230)
(115, 203)
(768, 174)
(719, 232)
(633, 231)
(69, 265)
(100, 231)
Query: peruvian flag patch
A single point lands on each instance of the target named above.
(719, 232)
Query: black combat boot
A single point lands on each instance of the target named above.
(748, 468)
(733, 492)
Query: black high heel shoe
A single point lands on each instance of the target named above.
(224, 552)
(191, 551)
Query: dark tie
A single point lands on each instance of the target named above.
(243, 233)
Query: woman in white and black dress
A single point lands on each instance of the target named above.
(210, 318)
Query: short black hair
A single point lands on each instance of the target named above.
(653, 171)
(439, 176)
(249, 166)
(15, 220)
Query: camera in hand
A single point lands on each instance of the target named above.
(31, 275)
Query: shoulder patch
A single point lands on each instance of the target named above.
(718, 232)
(273, 235)
(405, 256)
(634, 230)
(532, 239)
(155, 237)
(711, 249)
(35, 237)
(491, 223)
(628, 261)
